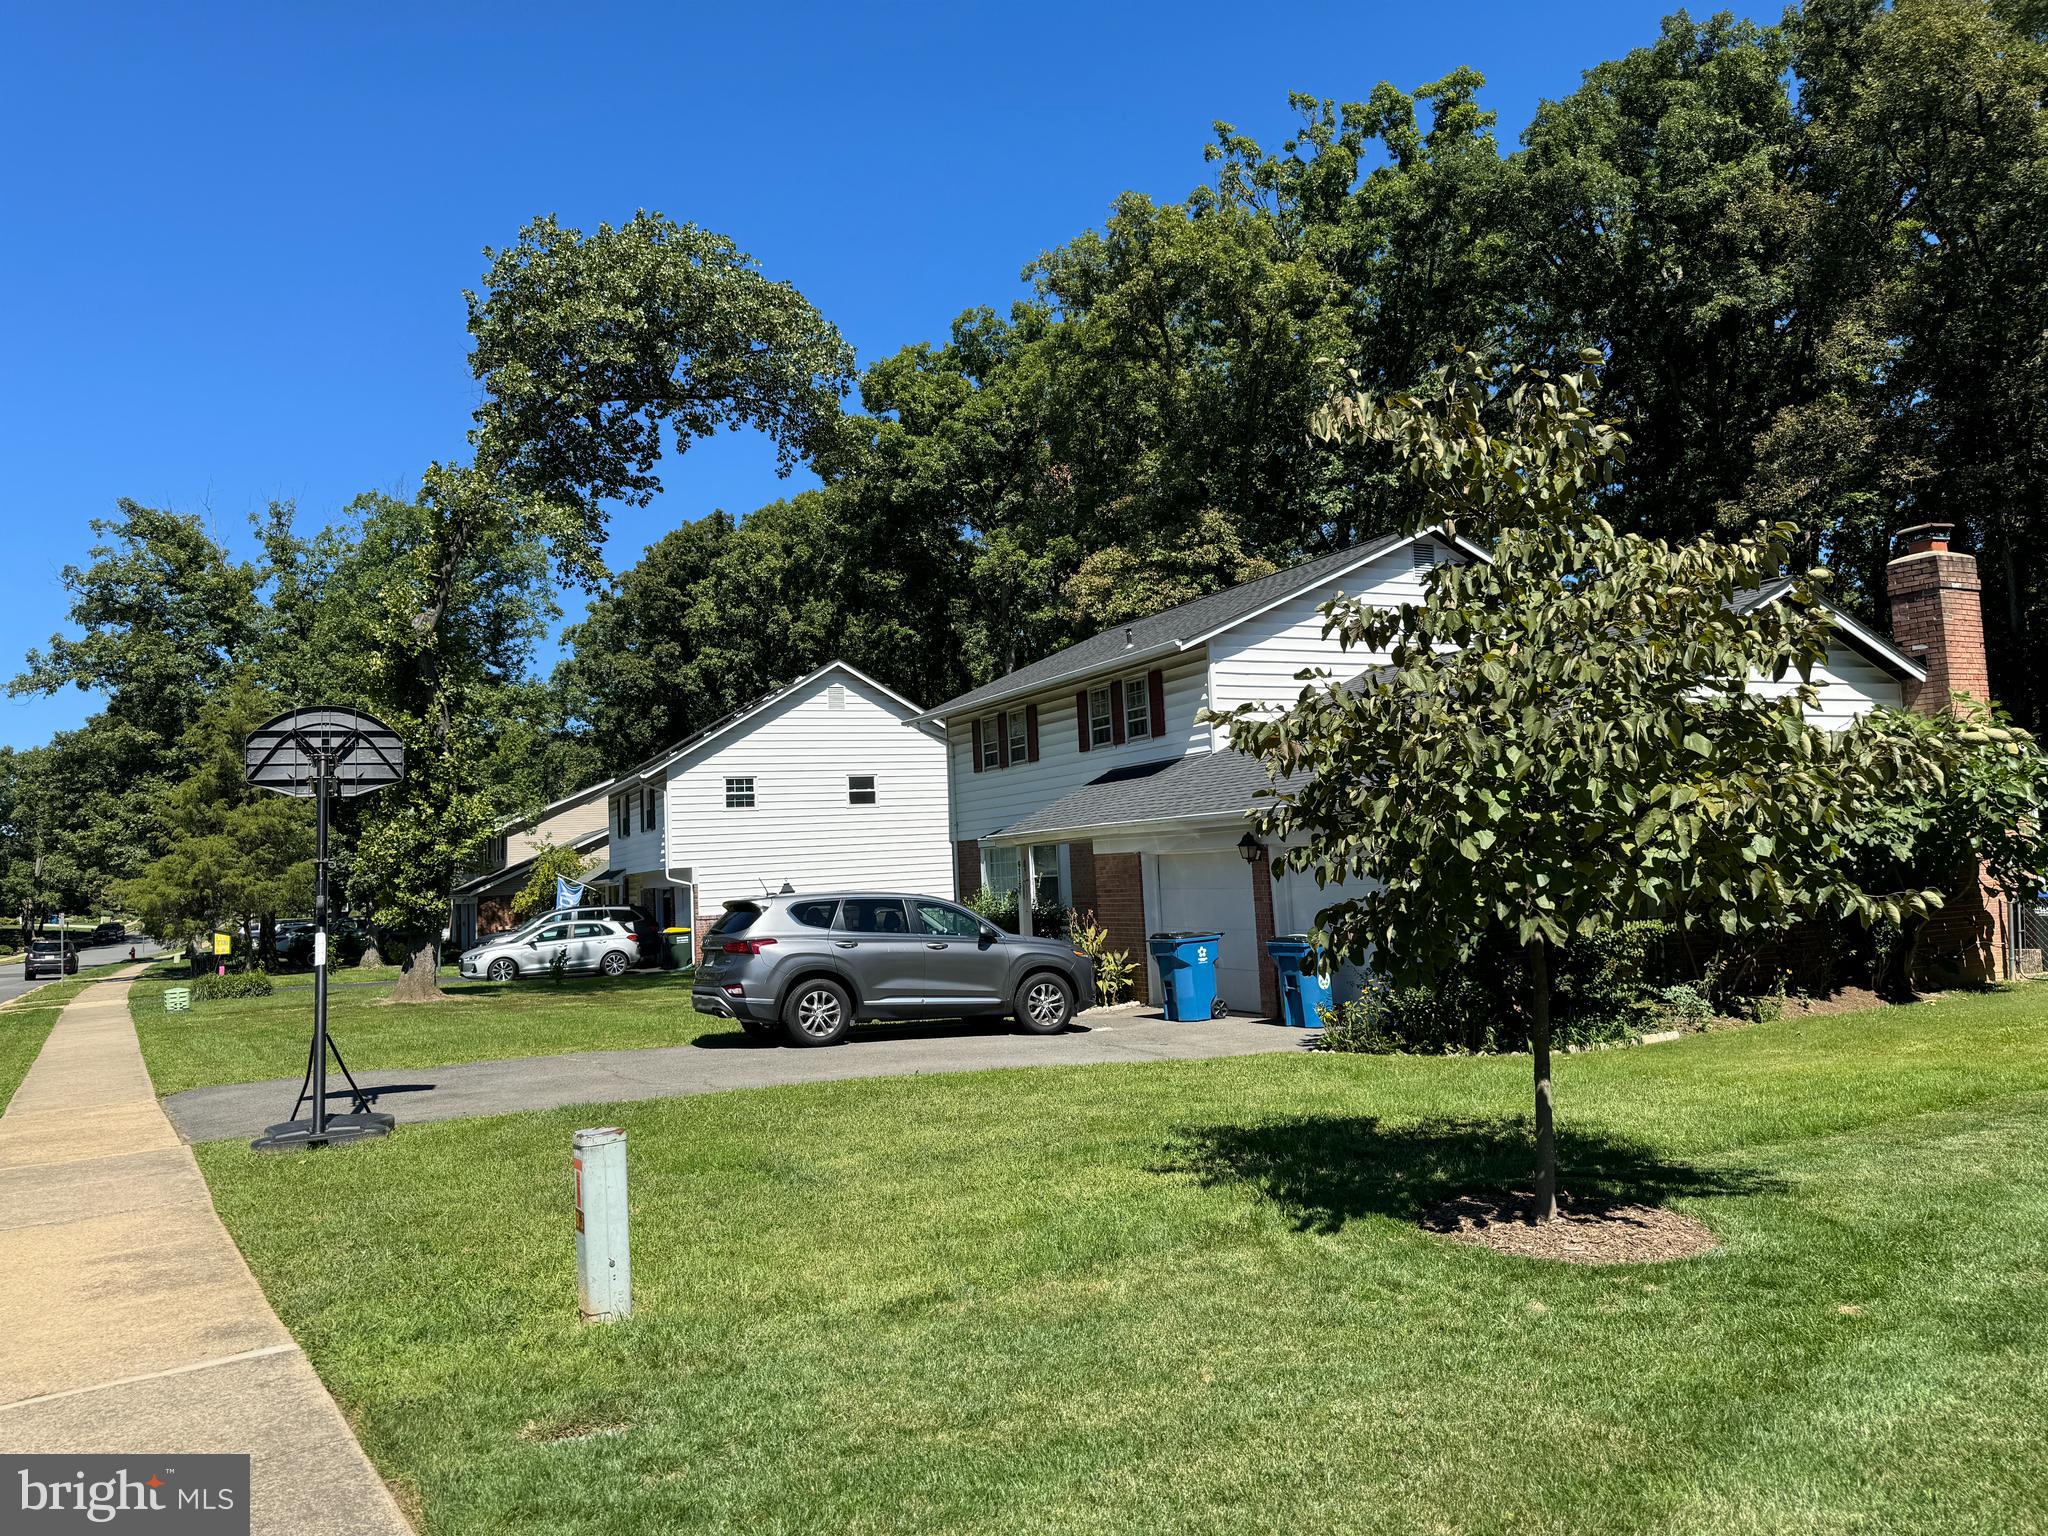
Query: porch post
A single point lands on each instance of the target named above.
(1026, 895)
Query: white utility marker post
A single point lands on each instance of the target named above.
(604, 1265)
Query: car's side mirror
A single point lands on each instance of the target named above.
(990, 935)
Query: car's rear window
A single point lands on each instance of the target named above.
(813, 914)
(48, 949)
(736, 920)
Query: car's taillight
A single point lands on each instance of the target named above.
(745, 946)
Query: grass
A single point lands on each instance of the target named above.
(253, 1039)
(1191, 1297)
(25, 1024)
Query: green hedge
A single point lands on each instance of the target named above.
(234, 984)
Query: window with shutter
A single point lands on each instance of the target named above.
(988, 742)
(1101, 718)
(1030, 733)
(1020, 738)
(1137, 710)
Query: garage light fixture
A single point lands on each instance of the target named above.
(1252, 849)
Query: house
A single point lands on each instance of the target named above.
(483, 895)
(829, 782)
(1086, 779)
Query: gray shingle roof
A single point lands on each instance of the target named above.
(1219, 783)
(1162, 632)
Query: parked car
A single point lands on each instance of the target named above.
(49, 957)
(109, 933)
(807, 966)
(585, 942)
(641, 923)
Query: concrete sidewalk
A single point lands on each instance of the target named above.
(726, 1061)
(131, 1322)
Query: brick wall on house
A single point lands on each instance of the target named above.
(1120, 908)
(1262, 924)
(966, 870)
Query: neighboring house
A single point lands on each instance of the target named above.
(483, 896)
(828, 783)
(1086, 778)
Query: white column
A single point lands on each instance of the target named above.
(1030, 888)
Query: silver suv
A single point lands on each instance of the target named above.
(585, 941)
(806, 966)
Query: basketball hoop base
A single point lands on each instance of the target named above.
(290, 1135)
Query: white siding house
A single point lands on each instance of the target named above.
(1086, 778)
(824, 784)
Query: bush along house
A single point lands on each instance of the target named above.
(1084, 780)
(826, 784)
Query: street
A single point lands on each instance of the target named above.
(13, 983)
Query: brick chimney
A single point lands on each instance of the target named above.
(1937, 617)
(1938, 620)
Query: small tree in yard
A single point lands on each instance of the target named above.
(553, 862)
(1563, 738)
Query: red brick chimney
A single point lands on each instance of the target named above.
(1937, 617)
(1938, 620)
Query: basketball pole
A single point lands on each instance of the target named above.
(324, 768)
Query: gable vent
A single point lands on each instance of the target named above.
(835, 696)
(1421, 555)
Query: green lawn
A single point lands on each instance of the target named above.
(1190, 1297)
(252, 1039)
(25, 1024)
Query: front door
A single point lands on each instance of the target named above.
(962, 967)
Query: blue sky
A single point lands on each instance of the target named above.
(237, 236)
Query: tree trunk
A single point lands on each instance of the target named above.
(419, 981)
(1539, 1047)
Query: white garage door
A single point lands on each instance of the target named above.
(1212, 893)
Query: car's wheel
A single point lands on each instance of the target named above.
(1045, 1004)
(502, 970)
(615, 963)
(816, 1012)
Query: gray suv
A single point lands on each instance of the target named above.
(804, 967)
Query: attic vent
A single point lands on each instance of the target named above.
(1422, 554)
(835, 696)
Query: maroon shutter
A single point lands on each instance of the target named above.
(977, 746)
(1002, 738)
(1116, 712)
(1081, 716)
(1030, 733)
(1155, 685)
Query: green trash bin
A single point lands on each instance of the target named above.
(679, 956)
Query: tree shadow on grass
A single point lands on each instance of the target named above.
(1324, 1170)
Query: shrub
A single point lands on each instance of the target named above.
(1114, 968)
(1682, 1005)
(1000, 908)
(234, 984)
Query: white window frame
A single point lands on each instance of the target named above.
(991, 743)
(1101, 727)
(740, 792)
(873, 790)
(1020, 738)
(1002, 868)
(1138, 708)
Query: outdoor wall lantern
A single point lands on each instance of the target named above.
(1252, 849)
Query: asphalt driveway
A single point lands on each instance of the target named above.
(718, 1063)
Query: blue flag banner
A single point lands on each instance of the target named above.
(567, 894)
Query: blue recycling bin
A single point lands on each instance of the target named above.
(1304, 987)
(1187, 972)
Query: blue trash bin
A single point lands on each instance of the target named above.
(1187, 972)
(1303, 992)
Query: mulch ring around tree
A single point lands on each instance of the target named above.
(1585, 1231)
